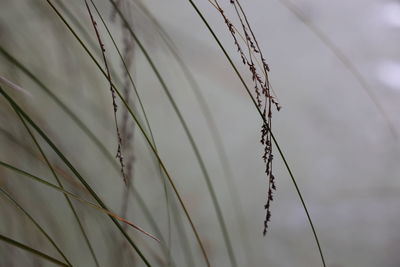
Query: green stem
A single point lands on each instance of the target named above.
(264, 120)
(40, 228)
(143, 132)
(31, 250)
(61, 185)
(199, 158)
(71, 167)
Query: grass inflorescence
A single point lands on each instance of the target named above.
(132, 124)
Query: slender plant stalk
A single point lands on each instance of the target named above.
(180, 228)
(24, 116)
(347, 63)
(82, 229)
(72, 168)
(62, 105)
(65, 175)
(186, 248)
(264, 120)
(83, 127)
(119, 155)
(143, 132)
(102, 47)
(86, 35)
(94, 46)
(85, 130)
(91, 204)
(212, 126)
(140, 201)
(31, 250)
(126, 69)
(37, 225)
(199, 158)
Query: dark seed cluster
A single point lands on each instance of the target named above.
(253, 58)
(119, 155)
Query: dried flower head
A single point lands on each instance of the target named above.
(252, 56)
(119, 155)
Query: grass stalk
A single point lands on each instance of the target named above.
(76, 197)
(264, 121)
(143, 132)
(82, 126)
(212, 126)
(74, 212)
(345, 60)
(199, 158)
(72, 168)
(37, 225)
(31, 250)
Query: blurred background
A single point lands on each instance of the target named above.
(335, 68)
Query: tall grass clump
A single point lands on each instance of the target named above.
(100, 188)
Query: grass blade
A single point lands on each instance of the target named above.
(347, 63)
(84, 129)
(186, 248)
(71, 167)
(40, 228)
(199, 158)
(212, 126)
(31, 250)
(143, 132)
(75, 214)
(263, 118)
(62, 190)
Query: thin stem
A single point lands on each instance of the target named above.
(61, 185)
(200, 160)
(76, 197)
(146, 120)
(71, 167)
(31, 250)
(143, 132)
(81, 125)
(37, 225)
(264, 120)
(347, 63)
(212, 125)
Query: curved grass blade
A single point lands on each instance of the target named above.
(72, 168)
(87, 131)
(61, 104)
(62, 190)
(143, 132)
(345, 61)
(110, 78)
(187, 252)
(141, 203)
(212, 125)
(199, 158)
(263, 118)
(31, 250)
(186, 248)
(119, 155)
(86, 34)
(86, 238)
(40, 228)
(14, 86)
(169, 179)
(74, 212)
(136, 194)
